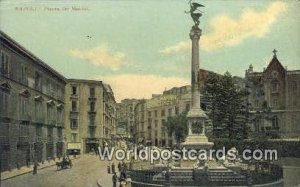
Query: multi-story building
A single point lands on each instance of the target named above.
(151, 114)
(274, 100)
(126, 117)
(90, 111)
(31, 107)
(159, 108)
(140, 123)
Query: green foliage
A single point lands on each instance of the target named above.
(177, 125)
(227, 108)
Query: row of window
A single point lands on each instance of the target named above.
(23, 132)
(51, 88)
(275, 103)
(74, 107)
(53, 113)
(74, 91)
(163, 114)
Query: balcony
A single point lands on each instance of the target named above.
(73, 114)
(92, 125)
(92, 112)
(60, 124)
(92, 98)
(25, 117)
(51, 122)
(40, 119)
(74, 96)
(92, 140)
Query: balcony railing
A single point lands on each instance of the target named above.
(92, 125)
(92, 140)
(40, 119)
(60, 124)
(92, 97)
(25, 117)
(92, 112)
(73, 114)
(51, 122)
(74, 96)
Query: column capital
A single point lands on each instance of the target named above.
(195, 33)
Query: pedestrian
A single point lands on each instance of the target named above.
(123, 173)
(119, 166)
(114, 179)
(113, 168)
(34, 168)
(124, 166)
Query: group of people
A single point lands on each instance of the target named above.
(122, 167)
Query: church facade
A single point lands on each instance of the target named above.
(274, 100)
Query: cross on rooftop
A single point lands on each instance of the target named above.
(274, 51)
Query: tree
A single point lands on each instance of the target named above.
(177, 125)
(227, 107)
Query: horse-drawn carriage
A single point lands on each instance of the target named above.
(65, 163)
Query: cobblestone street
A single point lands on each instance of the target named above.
(84, 173)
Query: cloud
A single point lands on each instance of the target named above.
(140, 86)
(101, 56)
(229, 32)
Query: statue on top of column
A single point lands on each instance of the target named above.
(195, 12)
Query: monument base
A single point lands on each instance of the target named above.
(188, 164)
(197, 142)
(197, 113)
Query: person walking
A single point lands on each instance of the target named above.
(119, 166)
(113, 167)
(114, 179)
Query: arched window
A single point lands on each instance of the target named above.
(275, 87)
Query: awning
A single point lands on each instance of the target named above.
(74, 145)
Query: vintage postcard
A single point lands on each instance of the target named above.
(149, 93)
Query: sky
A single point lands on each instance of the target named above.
(142, 48)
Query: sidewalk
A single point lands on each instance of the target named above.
(24, 170)
(106, 178)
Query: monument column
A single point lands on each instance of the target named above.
(195, 36)
(196, 117)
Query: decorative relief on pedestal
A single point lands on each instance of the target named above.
(197, 127)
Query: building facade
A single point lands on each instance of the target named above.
(159, 108)
(126, 117)
(274, 100)
(152, 114)
(90, 115)
(31, 107)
